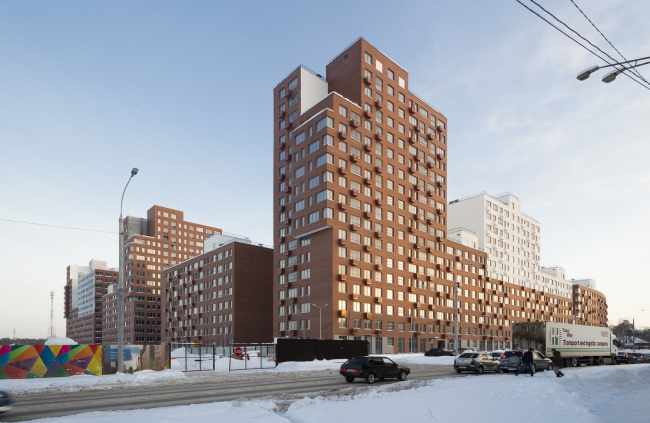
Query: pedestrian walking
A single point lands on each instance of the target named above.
(527, 362)
(558, 362)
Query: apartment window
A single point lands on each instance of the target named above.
(282, 93)
(401, 97)
(293, 100)
(326, 121)
(325, 158)
(313, 217)
(313, 182)
(293, 116)
(313, 147)
(391, 74)
(343, 111)
(368, 58)
(324, 195)
(293, 83)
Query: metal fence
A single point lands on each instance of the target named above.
(192, 357)
(251, 356)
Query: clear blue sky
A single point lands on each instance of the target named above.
(182, 90)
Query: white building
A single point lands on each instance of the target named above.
(511, 239)
(86, 286)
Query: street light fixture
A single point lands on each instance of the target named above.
(610, 76)
(320, 319)
(456, 312)
(634, 331)
(120, 288)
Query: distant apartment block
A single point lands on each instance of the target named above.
(221, 296)
(511, 239)
(589, 304)
(161, 240)
(85, 287)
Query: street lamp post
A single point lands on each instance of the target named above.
(320, 319)
(610, 76)
(120, 287)
(634, 331)
(456, 312)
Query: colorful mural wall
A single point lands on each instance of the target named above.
(36, 361)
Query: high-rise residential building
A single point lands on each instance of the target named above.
(511, 239)
(222, 295)
(161, 240)
(84, 292)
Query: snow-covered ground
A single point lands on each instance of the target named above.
(175, 375)
(595, 394)
(88, 382)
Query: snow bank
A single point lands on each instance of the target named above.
(88, 382)
(60, 341)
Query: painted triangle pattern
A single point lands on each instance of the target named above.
(37, 361)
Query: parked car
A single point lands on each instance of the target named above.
(372, 368)
(478, 362)
(624, 357)
(438, 352)
(498, 354)
(5, 402)
(642, 358)
(511, 361)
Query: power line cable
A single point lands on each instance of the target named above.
(57, 226)
(577, 42)
(575, 32)
(590, 43)
(620, 54)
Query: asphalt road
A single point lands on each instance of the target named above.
(203, 390)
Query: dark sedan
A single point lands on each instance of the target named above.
(5, 402)
(438, 352)
(373, 368)
(625, 357)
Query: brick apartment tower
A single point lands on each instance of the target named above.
(360, 167)
(161, 240)
(360, 194)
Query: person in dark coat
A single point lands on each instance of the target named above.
(558, 362)
(527, 361)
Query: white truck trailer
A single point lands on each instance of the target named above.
(578, 344)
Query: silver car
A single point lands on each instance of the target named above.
(478, 362)
(511, 361)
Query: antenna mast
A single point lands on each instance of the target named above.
(52, 332)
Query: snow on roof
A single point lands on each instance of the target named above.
(60, 341)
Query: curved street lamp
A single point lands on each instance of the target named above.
(120, 287)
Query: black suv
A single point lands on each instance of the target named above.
(372, 368)
(437, 352)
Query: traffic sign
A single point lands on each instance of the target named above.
(238, 351)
